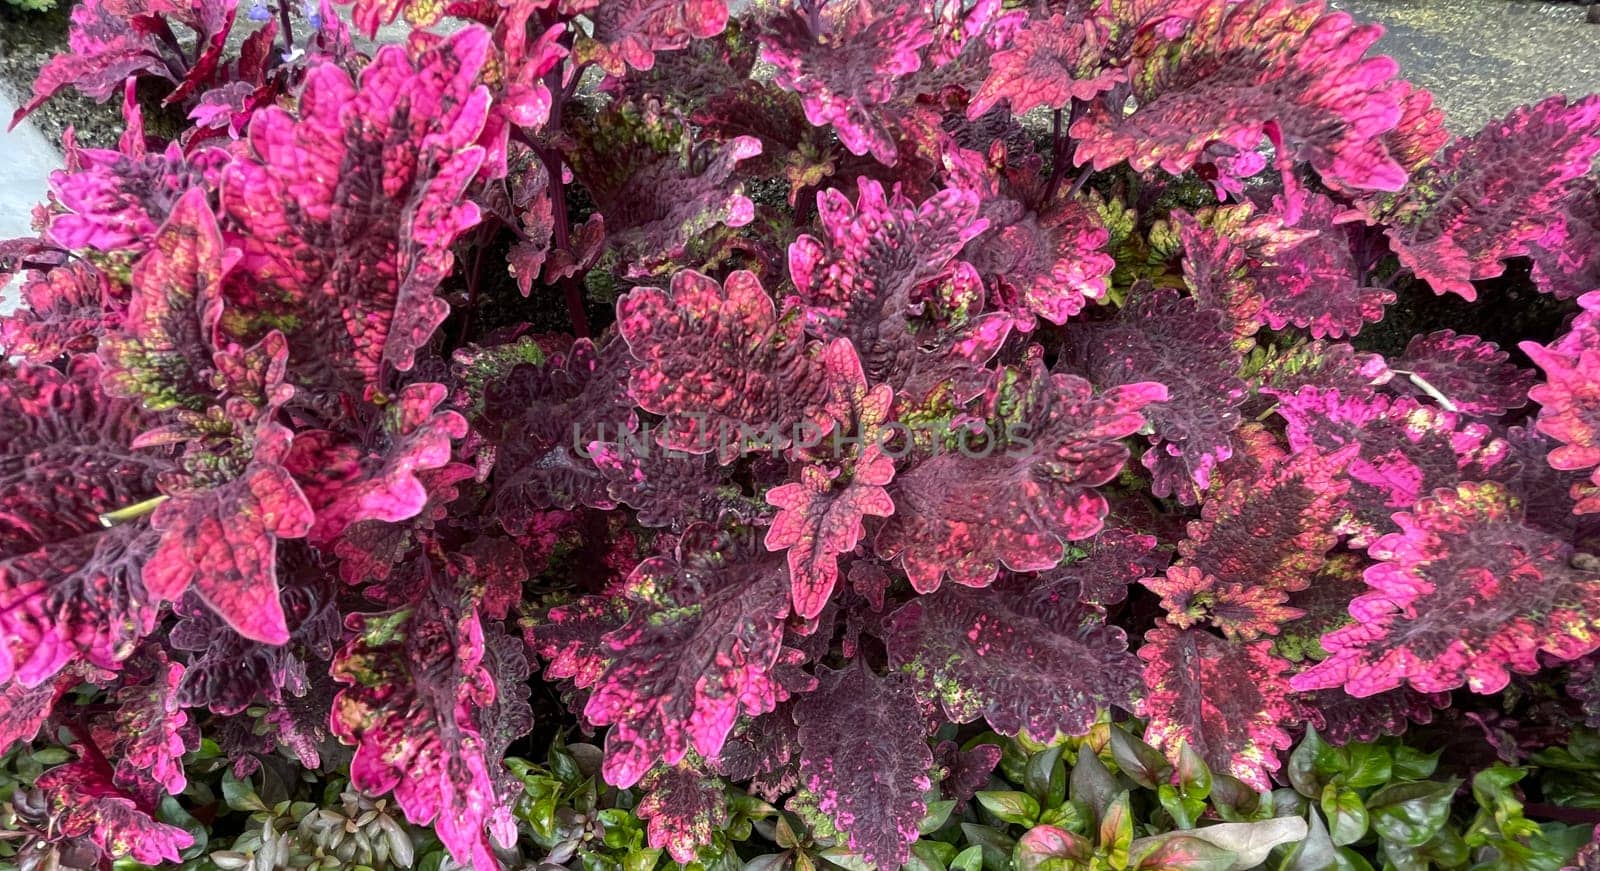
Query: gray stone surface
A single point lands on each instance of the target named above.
(1483, 57)
(26, 161)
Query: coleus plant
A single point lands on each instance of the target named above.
(788, 386)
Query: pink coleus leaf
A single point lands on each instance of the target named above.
(421, 695)
(376, 169)
(1161, 336)
(162, 355)
(1465, 593)
(1491, 195)
(722, 364)
(1317, 283)
(1018, 654)
(115, 201)
(1241, 610)
(1566, 257)
(1342, 718)
(63, 311)
(1270, 531)
(820, 517)
(856, 281)
(1421, 133)
(24, 710)
(1228, 700)
(153, 731)
(1570, 404)
(684, 809)
(1219, 265)
(347, 483)
(818, 520)
(223, 540)
(1112, 560)
(1046, 260)
(1462, 373)
(69, 587)
(1025, 490)
(83, 803)
(847, 64)
(369, 550)
(1405, 451)
(864, 752)
(1051, 63)
(544, 416)
(629, 33)
(1335, 365)
(702, 637)
(113, 40)
(665, 488)
(1240, 72)
(657, 206)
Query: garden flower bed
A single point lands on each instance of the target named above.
(1083, 435)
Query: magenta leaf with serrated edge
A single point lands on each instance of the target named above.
(345, 484)
(1464, 594)
(377, 167)
(1015, 503)
(820, 517)
(698, 649)
(1051, 63)
(1566, 257)
(856, 281)
(864, 753)
(1247, 71)
(1316, 284)
(1462, 373)
(1016, 655)
(1161, 336)
(1569, 407)
(629, 33)
(845, 63)
(722, 364)
(1491, 195)
(684, 809)
(1228, 700)
(1404, 449)
(82, 802)
(69, 587)
(419, 693)
(223, 540)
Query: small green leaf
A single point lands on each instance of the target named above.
(1046, 776)
(1011, 806)
(1116, 832)
(1367, 765)
(1194, 776)
(1139, 761)
(970, 859)
(1233, 799)
(240, 795)
(1411, 813)
(1312, 764)
(844, 858)
(938, 814)
(934, 854)
(1092, 783)
(1412, 764)
(1048, 847)
(1347, 815)
(1183, 809)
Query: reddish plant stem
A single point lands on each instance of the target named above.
(288, 29)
